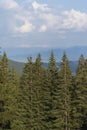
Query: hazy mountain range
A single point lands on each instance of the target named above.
(21, 54)
(18, 56)
(19, 66)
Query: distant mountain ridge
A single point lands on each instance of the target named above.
(17, 65)
(20, 65)
(21, 54)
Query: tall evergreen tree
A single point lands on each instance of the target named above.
(30, 99)
(13, 97)
(80, 98)
(38, 83)
(50, 95)
(4, 122)
(64, 98)
(7, 98)
(4, 69)
(26, 97)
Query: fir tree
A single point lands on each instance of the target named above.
(38, 83)
(4, 69)
(50, 95)
(26, 97)
(7, 95)
(64, 95)
(30, 99)
(80, 98)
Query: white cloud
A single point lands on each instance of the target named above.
(25, 28)
(67, 20)
(74, 20)
(43, 28)
(41, 7)
(8, 4)
(40, 18)
(23, 23)
(51, 19)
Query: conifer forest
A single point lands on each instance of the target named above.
(51, 98)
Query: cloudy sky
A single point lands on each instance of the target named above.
(43, 23)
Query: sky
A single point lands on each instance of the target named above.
(43, 23)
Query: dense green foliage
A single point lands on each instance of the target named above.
(51, 98)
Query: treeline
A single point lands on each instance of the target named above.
(49, 98)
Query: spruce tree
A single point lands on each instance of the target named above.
(4, 69)
(38, 83)
(50, 95)
(64, 94)
(4, 122)
(7, 95)
(13, 96)
(30, 98)
(80, 103)
(26, 97)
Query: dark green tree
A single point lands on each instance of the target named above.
(64, 95)
(7, 95)
(30, 98)
(38, 83)
(50, 97)
(80, 105)
(4, 122)
(26, 118)
(4, 69)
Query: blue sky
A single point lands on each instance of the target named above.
(43, 23)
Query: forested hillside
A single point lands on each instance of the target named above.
(42, 98)
(15, 64)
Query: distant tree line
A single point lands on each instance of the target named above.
(51, 98)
